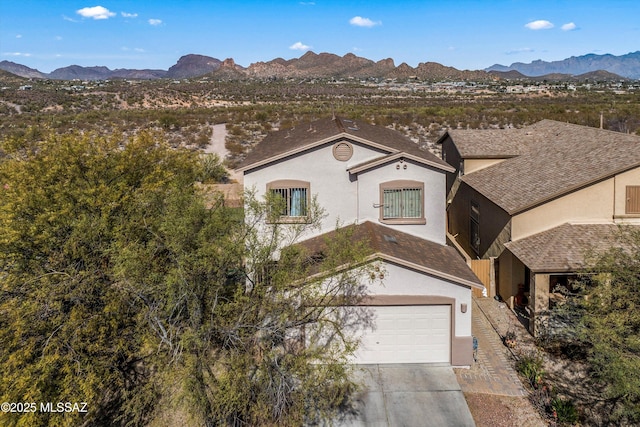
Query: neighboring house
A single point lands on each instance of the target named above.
(536, 200)
(381, 182)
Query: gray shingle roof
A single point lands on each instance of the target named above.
(558, 159)
(278, 144)
(489, 143)
(563, 248)
(393, 245)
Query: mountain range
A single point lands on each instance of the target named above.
(312, 65)
(625, 65)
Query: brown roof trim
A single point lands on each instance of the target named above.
(430, 271)
(395, 156)
(293, 152)
(277, 145)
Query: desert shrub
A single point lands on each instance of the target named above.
(564, 410)
(530, 367)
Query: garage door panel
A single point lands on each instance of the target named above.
(407, 334)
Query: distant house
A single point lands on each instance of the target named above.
(393, 192)
(534, 200)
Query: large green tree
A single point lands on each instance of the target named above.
(611, 324)
(601, 318)
(119, 287)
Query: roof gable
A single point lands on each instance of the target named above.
(406, 250)
(285, 143)
(563, 248)
(563, 158)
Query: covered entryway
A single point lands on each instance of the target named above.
(407, 334)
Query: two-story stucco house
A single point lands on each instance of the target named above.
(535, 200)
(393, 192)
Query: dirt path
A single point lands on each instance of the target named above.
(216, 145)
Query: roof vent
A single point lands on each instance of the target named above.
(342, 151)
(391, 239)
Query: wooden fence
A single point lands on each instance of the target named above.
(482, 269)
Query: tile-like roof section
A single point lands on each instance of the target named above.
(489, 143)
(309, 134)
(502, 143)
(565, 157)
(563, 248)
(408, 250)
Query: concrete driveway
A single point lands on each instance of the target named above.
(408, 395)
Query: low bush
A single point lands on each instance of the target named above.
(530, 367)
(564, 411)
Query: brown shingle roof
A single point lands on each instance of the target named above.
(407, 250)
(563, 158)
(563, 248)
(308, 135)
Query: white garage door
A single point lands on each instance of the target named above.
(407, 334)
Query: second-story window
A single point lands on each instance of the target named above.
(474, 227)
(290, 200)
(402, 202)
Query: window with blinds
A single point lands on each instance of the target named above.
(402, 202)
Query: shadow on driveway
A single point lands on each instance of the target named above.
(408, 395)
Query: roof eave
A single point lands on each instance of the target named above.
(449, 277)
(310, 146)
(400, 154)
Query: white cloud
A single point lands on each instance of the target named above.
(95, 12)
(18, 36)
(299, 46)
(521, 50)
(539, 25)
(135, 49)
(129, 15)
(569, 27)
(15, 54)
(58, 38)
(359, 21)
(154, 21)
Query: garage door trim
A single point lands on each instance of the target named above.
(374, 300)
(408, 334)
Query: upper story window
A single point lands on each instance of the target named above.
(402, 202)
(474, 226)
(291, 200)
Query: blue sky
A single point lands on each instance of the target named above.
(466, 34)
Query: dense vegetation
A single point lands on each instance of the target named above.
(120, 289)
(598, 322)
(186, 109)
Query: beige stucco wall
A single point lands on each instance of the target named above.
(631, 177)
(402, 281)
(472, 165)
(591, 204)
